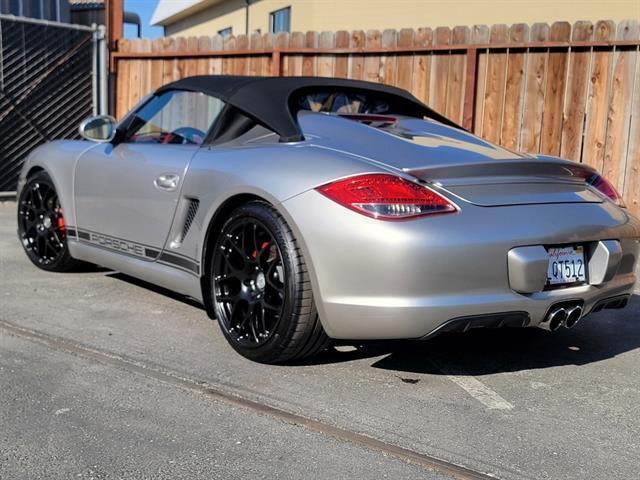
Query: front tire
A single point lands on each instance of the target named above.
(261, 290)
(41, 226)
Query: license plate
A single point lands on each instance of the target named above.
(566, 265)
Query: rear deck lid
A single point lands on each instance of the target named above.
(512, 182)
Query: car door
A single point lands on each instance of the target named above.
(126, 192)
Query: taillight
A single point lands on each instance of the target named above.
(605, 187)
(386, 197)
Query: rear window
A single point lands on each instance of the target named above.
(344, 102)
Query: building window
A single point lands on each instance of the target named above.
(50, 11)
(15, 7)
(32, 9)
(225, 31)
(280, 20)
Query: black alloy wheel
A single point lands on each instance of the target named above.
(249, 282)
(41, 226)
(261, 290)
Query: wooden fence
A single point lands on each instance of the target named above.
(568, 90)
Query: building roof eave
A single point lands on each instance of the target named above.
(170, 11)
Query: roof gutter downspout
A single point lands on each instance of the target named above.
(246, 17)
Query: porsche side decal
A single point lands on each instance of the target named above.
(128, 247)
(112, 243)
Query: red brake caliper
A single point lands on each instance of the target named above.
(60, 220)
(262, 247)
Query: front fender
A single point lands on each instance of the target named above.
(58, 159)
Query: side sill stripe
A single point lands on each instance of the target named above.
(180, 261)
(138, 251)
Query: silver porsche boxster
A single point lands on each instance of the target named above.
(300, 210)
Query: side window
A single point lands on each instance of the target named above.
(175, 117)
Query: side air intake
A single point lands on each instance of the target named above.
(192, 209)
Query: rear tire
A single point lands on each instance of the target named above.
(261, 290)
(41, 226)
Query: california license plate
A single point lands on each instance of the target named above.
(566, 265)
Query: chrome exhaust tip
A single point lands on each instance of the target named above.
(573, 316)
(554, 320)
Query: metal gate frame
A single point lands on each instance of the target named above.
(30, 82)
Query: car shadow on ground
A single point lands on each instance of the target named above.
(155, 288)
(479, 352)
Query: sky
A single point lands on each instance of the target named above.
(145, 9)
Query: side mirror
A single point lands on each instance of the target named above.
(101, 128)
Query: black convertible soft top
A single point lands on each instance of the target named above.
(270, 101)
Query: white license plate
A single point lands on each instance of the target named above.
(566, 265)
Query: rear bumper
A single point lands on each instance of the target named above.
(382, 280)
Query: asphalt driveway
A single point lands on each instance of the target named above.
(103, 376)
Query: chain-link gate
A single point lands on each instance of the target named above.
(48, 84)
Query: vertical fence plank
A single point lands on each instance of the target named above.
(295, 61)
(156, 64)
(191, 64)
(341, 63)
(180, 66)
(598, 98)
(255, 62)
(404, 65)
(215, 63)
(202, 64)
(310, 61)
(439, 71)
(576, 98)
(122, 81)
(422, 65)
(495, 86)
(535, 86)
(514, 88)
(228, 43)
(135, 67)
(554, 94)
(456, 76)
(356, 67)
(241, 63)
(388, 62)
(632, 173)
(169, 64)
(325, 62)
(372, 61)
(619, 118)
(480, 35)
(268, 41)
(145, 68)
(134, 75)
(168, 45)
(282, 41)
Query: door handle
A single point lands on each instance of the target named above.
(167, 182)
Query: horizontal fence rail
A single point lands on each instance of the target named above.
(560, 89)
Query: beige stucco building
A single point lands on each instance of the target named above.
(208, 17)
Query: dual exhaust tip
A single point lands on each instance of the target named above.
(558, 317)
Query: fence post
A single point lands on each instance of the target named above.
(468, 112)
(94, 67)
(103, 71)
